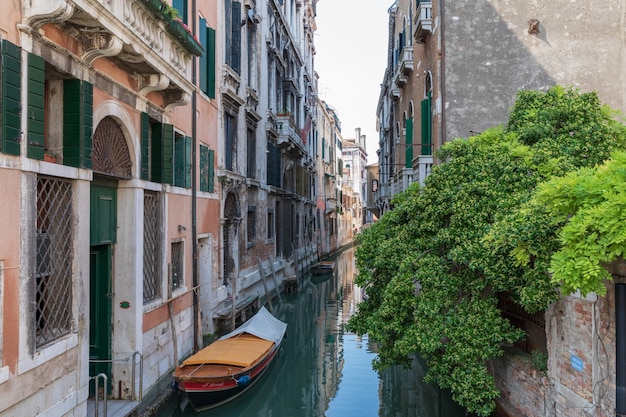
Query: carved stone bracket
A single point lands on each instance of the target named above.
(52, 11)
(99, 44)
(153, 82)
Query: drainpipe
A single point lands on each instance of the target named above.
(194, 194)
(442, 71)
(620, 350)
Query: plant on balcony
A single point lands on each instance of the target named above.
(182, 33)
(156, 6)
(175, 25)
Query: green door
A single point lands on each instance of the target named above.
(100, 315)
(103, 225)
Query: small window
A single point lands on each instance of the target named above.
(270, 224)
(251, 224)
(177, 265)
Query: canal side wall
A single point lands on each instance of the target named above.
(165, 345)
(580, 379)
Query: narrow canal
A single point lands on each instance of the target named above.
(325, 371)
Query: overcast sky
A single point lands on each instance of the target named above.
(351, 45)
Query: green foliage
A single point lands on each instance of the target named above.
(592, 204)
(434, 265)
(539, 360)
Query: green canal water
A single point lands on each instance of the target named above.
(323, 370)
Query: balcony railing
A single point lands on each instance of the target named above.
(289, 133)
(423, 20)
(134, 34)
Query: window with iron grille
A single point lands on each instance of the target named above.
(178, 258)
(151, 246)
(251, 224)
(53, 260)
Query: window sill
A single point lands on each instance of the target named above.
(47, 353)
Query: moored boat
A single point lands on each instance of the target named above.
(229, 366)
(323, 267)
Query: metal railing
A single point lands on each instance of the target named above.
(135, 396)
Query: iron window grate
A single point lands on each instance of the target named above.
(53, 269)
(151, 246)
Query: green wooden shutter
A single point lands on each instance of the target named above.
(36, 105)
(212, 70)
(426, 127)
(187, 162)
(163, 153)
(10, 90)
(182, 157)
(179, 155)
(211, 170)
(204, 168)
(204, 69)
(77, 123)
(145, 146)
(409, 144)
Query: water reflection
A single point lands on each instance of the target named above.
(322, 370)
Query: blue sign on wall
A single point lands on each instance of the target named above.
(577, 363)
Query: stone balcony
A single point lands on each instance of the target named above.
(423, 21)
(134, 34)
(289, 134)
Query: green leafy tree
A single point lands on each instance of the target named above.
(434, 265)
(591, 203)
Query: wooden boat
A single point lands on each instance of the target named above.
(323, 267)
(232, 364)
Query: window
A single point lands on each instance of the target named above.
(151, 246)
(273, 165)
(232, 48)
(182, 161)
(177, 265)
(251, 154)
(53, 260)
(207, 60)
(230, 148)
(270, 224)
(251, 49)
(251, 224)
(427, 148)
(181, 6)
(207, 168)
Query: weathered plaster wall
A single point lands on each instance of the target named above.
(489, 55)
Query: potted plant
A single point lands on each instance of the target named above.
(49, 156)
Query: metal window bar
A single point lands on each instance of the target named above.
(151, 246)
(177, 264)
(53, 260)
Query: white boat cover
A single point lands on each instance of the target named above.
(262, 325)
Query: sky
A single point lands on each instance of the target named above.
(351, 57)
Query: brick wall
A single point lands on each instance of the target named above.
(580, 381)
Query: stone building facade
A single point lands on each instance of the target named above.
(454, 69)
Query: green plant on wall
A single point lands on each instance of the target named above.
(433, 267)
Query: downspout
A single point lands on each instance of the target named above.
(442, 71)
(194, 194)
(620, 350)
